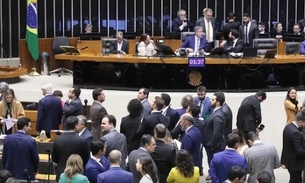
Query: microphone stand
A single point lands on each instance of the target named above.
(86, 102)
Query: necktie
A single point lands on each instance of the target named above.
(201, 108)
(246, 33)
(198, 45)
(208, 31)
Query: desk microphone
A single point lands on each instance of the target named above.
(4, 53)
(86, 102)
(84, 48)
(48, 150)
(26, 175)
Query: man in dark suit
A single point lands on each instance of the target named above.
(181, 24)
(293, 152)
(302, 24)
(236, 43)
(203, 101)
(115, 174)
(228, 119)
(148, 123)
(249, 113)
(196, 44)
(69, 143)
(73, 106)
(208, 24)
(164, 154)
(50, 111)
(143, 97)
(114, 139)
(222, 162)
(148, 145)
(168, 111)
(214, 139)
(82, 130)
(97, 112)
(97, 163)
(192, 139)
(120, 45)
(230, 25)
(20, 151)
(248, 31)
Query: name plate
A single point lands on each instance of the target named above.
(196, 61)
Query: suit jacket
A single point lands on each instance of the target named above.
(132, 160)
(222, 163)
(274, 33)
(238, 47)
(17, 111)
(116, 141)
(87, 136)
(302, 48)
(228, 27)
(74, 108)
(190, 43)
(192, 143)
(60, 152)
(97, 112)
(93, 168)
(253, 33)
(173, 116)
(148, 124)
(302, 24)
(49, 114)
(124, 48)
(20, 152)
(228, 119)
(146, 108)
(249, 114)
(115, 175)
(181, 111)
(293, 152)
(201, 23)
(79, 178)
(207, 109)
(129, 127)
(214, 131)
(164, 157)
(261, 157)
(176, 23)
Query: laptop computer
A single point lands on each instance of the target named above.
(165, 50)
(249, 52)
(270, 54)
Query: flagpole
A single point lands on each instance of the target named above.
(34, 71)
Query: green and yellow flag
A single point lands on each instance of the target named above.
(31, 29)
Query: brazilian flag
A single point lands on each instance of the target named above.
(31, 29)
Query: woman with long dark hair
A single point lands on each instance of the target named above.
(291, 105)
(147, 169)
(185, 171)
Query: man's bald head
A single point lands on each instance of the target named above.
(115, 157)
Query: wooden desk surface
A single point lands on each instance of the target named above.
(281, 59)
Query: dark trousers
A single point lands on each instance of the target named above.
(295, 176)
(210, 154)
(201, 156)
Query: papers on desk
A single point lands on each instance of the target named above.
(236, 54)
(9, 123)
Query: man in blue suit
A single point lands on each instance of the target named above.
(192, 139)
(73, 106)
(196, 44)
(115, 174)
(97, 163)
(203, 102)
(50, 111)
(20, 151)
(82, 130)
(222, 162)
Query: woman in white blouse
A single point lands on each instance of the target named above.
(146, 45)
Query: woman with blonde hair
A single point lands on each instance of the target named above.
(10, 108)
(73, 171)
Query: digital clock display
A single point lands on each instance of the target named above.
(196, 61)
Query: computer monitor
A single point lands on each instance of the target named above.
(90, 36)
(172, 35)
(249, 52)
(270, 53)
(165, 50)
(293, 38)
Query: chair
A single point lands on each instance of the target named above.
(60, 41)
(136, 47)
(106, 43)
(292, 48)
(263, 45)
(184, 35)
(32, 106)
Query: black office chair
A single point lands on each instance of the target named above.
(184, 35)
(136, 47)
(60, 41)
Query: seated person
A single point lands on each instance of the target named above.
(120, 45)
(196, 43)
(88, 28)
(236, 43)
(181, 24)
(302, 48)
(146, 45)
(278, 31)
(261, 28)
(297, 30)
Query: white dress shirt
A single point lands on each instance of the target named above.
(208, 30)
